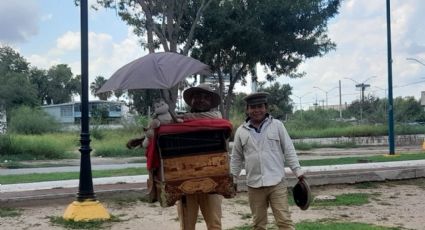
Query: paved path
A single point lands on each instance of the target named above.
(68, 168)
(318, 175)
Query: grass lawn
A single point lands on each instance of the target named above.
(326, 225)
(38, 177)
(370, 159)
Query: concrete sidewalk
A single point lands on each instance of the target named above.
(317, 175)
(69, 168)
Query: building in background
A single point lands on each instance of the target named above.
(70, 113)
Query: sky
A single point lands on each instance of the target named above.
(46, 33)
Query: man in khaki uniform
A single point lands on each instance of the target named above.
(203, 102)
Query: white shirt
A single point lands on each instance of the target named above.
(263, 154)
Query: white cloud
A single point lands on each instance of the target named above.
(69, 41)
(360, 33)
(18, 21)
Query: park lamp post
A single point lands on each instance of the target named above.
(391, 138)
(326, 93)
(86, 208)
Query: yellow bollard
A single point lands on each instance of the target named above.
(86, 211)
(423, 145)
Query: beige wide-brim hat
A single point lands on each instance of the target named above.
(202, 88)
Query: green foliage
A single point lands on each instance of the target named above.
(16, 90)
(9, 212)
(354, 160)
(314, 120)
(27, 120)
(35, 147)
(24, 86)
(337, 225)
(37, 177)
(113, 144)
(92, 224)
(348, 199)
(142, 100)
(5, 144)
(374, 110)
(314, 145)
(279, 101)
(60, 84)
(12, 61)
(99, 81)
(237, 35)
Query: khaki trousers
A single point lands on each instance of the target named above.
(210, 205)
(275, 196)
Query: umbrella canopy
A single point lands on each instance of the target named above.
(154, 71)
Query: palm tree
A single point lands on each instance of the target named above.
(99, 81)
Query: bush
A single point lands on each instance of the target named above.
(35, 147)
(5, 144)
(27, 120)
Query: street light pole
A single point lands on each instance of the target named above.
(299, 97)
(326, 93)
(86, 207)
(416, 60)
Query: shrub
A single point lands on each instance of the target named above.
(5, 144)
(34, 147)
(27, 120)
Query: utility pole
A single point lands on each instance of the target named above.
(362, 86)
(340, 101)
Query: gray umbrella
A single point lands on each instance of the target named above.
(154, 71)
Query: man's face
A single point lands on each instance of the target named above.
(201, 102)
(257, 113)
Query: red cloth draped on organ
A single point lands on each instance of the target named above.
(152, 156)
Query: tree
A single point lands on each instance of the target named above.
(118, 94)
(279, 102)
(142, 100)
(60, 85)
(38, 78)
(407, 109)
(168, 24)
(237, 35)
(99, 81)
(12, 61)
(15, 87)
(233, 36)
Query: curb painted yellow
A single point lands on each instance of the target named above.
(86, 211)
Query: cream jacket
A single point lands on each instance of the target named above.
(265, 155)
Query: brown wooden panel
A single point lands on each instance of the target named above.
(170, 192)
(196, 166)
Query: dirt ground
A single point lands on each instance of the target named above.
(394, 204)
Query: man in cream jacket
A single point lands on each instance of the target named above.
(263, 147)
